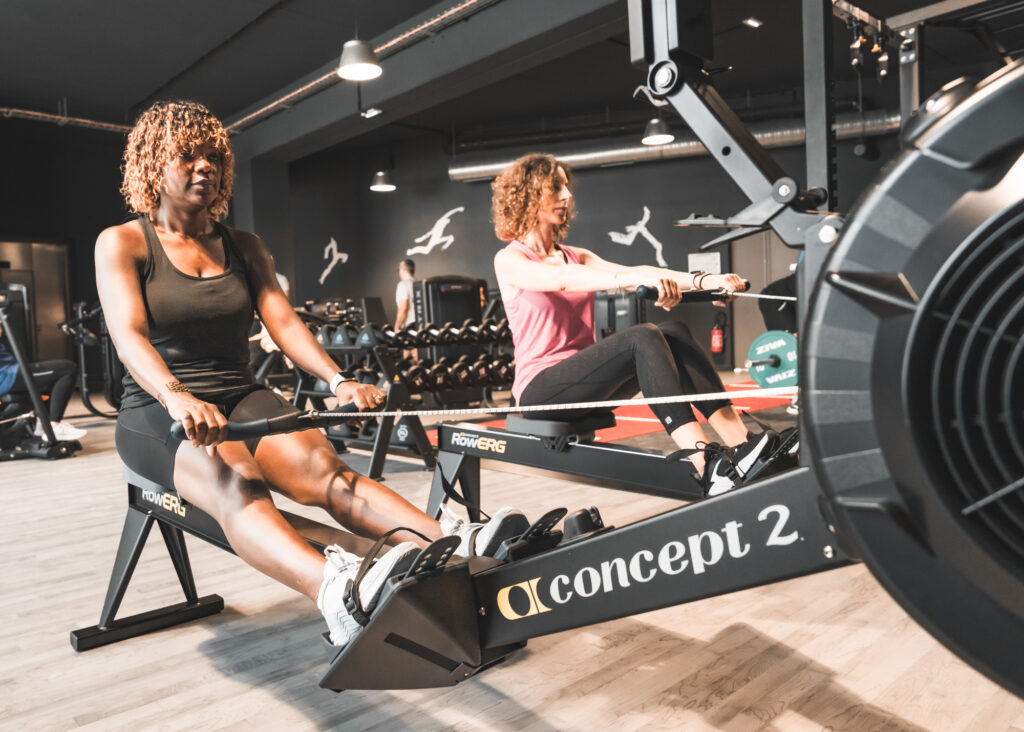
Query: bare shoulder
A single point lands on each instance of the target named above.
(507, 254)
(122, 242)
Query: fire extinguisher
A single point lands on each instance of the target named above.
(718, 334)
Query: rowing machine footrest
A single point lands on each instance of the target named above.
(540, 537)
(783, 457)
(557, 434)
(434, 557)
(582, 524)
(424, 633)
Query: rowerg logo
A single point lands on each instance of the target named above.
(696, 554)
(478, 442)
(166, 501)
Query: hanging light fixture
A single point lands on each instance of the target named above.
(358, 62)
(381, 182)
(657, 133)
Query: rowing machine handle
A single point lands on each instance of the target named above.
(646, 292)
(269, 425)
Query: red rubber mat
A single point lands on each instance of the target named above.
(634, 421)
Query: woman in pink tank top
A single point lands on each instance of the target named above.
(548, 293)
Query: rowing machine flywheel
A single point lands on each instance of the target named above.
(913, 374)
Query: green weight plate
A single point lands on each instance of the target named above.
(777, 343)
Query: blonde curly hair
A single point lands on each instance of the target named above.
(518, 192)
(164, 130)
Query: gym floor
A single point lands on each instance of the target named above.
(829, 651)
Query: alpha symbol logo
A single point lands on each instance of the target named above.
(529, 587)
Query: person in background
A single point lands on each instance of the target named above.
(403, 294)
(55, 377)
(548, 290)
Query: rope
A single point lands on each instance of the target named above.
(780, 391)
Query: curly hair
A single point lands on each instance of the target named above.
(164, 130)
(518, 192)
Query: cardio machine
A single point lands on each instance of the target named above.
(911, 410)
(18, 415)
(911, 416)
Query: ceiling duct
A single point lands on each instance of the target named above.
(774, 133)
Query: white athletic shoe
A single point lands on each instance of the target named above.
(341, 568)
(483, 539)
(63, 431)
(747, 453)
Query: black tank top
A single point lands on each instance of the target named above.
(198, 325)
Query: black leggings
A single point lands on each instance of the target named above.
(144, 440)
(57, 378)
(657, 360)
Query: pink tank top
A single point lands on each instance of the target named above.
(547, 327)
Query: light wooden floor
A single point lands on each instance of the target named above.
(831, 651)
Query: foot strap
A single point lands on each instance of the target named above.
(351, 595)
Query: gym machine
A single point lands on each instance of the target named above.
(912, 363)
(912, 403)
(17, 419)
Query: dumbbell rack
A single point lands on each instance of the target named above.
(307, 390)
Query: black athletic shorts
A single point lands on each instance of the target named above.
(143, 435)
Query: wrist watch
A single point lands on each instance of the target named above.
(340, 378)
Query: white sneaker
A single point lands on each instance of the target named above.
(483, 539)
(63, 431)
(341, 568)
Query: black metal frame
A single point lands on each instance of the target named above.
(48, 446)
(150, 503)
(462, 446)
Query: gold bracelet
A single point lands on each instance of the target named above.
(176, 386)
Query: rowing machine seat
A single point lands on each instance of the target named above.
(586, 425)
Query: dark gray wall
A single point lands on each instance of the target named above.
(330, 198)
(60, 184)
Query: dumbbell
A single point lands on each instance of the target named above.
(502, 332)
(439, 376)
(469, 332)
(502, 370)
(409, 336)
(414, 374)
(488, 331)
(480, 371)
(447, 334)
(460, 374)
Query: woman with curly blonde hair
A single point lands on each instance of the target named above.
(548, 290)
(179, 291)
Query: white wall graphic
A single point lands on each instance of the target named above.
(436, 235)
(331, 252)
(640, 229)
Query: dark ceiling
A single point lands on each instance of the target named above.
(109, 59)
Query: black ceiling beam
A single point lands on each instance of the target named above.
(502, 40)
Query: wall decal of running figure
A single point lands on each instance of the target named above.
(436, 236)
(335, 255)
(640, 228)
